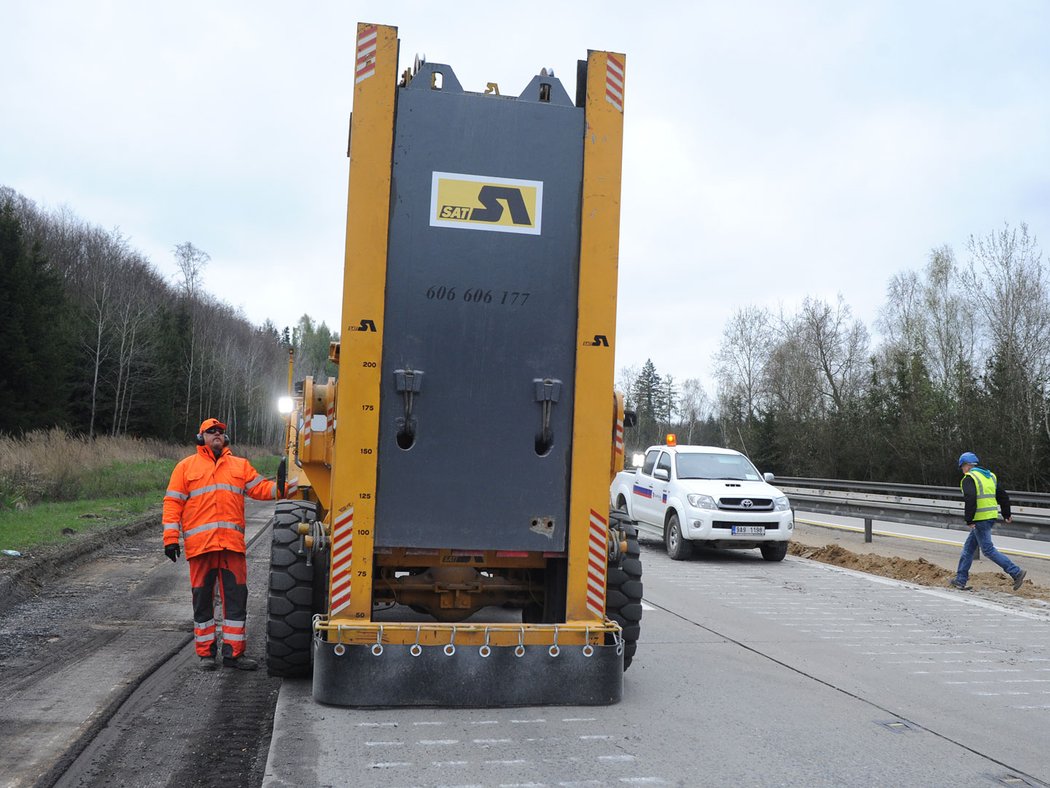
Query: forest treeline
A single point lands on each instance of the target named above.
(97, 342)
(963, 364)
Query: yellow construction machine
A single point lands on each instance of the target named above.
(454, 545)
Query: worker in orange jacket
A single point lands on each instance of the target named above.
(205, 502)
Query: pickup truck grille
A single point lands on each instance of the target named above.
(727, 525)
(746, 504)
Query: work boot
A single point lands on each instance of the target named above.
(1019, 579)
(241, 663)
(954, 583)
(207, 663)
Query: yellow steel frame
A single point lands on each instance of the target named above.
(364, 286)
(595, 369)
(357, 405)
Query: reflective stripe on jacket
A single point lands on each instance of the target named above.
(205, 501)
(985, 483)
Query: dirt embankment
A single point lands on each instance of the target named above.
(914, 570)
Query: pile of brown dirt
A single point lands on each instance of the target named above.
(919, 571)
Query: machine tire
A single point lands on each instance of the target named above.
(774, 551)
(678, 547)
(296, 592)
(623, 596)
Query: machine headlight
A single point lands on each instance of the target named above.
(701, 501)
(285, 405)
(781, 504)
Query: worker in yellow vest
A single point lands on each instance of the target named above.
(982, 499)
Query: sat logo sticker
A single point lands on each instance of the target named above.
(475, 202)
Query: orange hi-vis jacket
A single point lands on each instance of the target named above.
(205, 500)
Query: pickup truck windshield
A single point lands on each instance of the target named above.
(716, 466)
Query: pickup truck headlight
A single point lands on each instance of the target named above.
(781, 504)
(702, 501)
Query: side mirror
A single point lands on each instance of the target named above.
(662, 474)
(768, 476)
(630, 418)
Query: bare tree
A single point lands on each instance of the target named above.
(741, 358)
(951, 322)
(131, 317)
(903, 319)
(1009, 286)
(838, 345)
(626, 380)
(98, 252)
(791, 376)
(693, 404)
(191, 262)
(1011, 294)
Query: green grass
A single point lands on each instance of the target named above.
(42, 524)
(107, 496)
(267, 466)
(122, 479)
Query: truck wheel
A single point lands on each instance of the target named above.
(623, 596)
(621, 504)
(678, 547)
(297, 591)
(774, 551)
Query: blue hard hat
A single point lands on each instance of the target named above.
(968, 457)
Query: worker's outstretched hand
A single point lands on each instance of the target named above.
(172, 551)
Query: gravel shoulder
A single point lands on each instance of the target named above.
(99, 679)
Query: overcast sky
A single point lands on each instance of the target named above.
(773, 149)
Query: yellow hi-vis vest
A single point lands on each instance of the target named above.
(987, 507)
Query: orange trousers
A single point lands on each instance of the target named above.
(229, 571)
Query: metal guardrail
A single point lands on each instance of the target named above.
(940, 507)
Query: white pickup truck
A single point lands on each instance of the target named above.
(707, 496)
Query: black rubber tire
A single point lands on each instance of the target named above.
(678, 547)
(774, 551)
(623, 595)
(296, 592)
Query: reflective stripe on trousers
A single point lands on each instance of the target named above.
(230, 569)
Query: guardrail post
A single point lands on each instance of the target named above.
(867, 529)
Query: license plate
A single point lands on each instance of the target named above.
(750, 530)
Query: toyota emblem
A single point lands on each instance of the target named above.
(746, 503)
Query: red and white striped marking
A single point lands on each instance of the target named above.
(292, 487)
(618, 437)
(614, 82)
(307, 432)
(597, 564)
(342, 554)
(366, 53)
(330, 424)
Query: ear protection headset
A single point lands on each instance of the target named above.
(225, 439)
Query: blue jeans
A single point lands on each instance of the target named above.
(981, 534)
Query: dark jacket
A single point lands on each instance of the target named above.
(969, 490)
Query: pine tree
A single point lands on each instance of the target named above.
(32, 333)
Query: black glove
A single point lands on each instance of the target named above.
(172, 551)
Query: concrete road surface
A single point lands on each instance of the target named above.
(748, 673)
